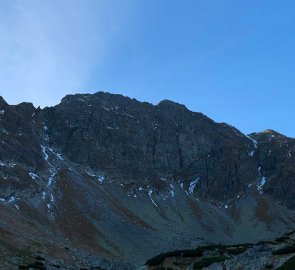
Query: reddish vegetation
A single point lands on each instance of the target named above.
(262, 211)
(123, 211)
(73, 222)
(235, 213)
(197, 211)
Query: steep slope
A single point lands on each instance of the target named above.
(276, 155)
(105, 180)
(132, 141)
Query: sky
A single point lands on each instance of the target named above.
(233, 60)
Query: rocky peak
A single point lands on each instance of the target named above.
(103, 131)
(127, 172)
(171, 104)
(144, 141)
(3, 103)
(268, 135)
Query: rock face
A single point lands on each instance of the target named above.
(123, 180)
(133, 141)
(276, 157)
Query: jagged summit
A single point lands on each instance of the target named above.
(270, 133)
(171, 103)
(114, 178)
(3, 103)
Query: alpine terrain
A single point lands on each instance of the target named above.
(102, 181)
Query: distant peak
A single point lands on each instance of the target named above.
(167, 102)
(272, 132)
(268, 133)
(96, 95)
(2, 101)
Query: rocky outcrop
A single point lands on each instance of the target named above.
(276, 156)
(133, 141)
(275, 254)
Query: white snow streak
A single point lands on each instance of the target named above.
(150, 194)
(12, 199)
(45, 154)
(172, 191)
(51, 177)
(261, 184)
(254, 141)
(251, 154)
(33, 176)
(193, 185)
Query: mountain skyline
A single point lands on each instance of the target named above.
(140, 179)
(233, 61)
(250, 132)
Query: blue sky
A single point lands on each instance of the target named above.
(231, 60)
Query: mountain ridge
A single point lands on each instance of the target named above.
(137, 177)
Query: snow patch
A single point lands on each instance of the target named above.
(59, 156)
(91, 174)
(181, 185)
(193, 185)
(172, 190)
(128, 115)
(2, 111)
(261, 184)
(51, 177)
(33, 176)
(10, 165)
(11, 199)
(251, 154)
(150, 195)
(45, 154)
(100, 178)
(107, 109)
(254, 141)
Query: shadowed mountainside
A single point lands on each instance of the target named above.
(102, 180)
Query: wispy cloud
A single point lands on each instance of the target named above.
(49, 48)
